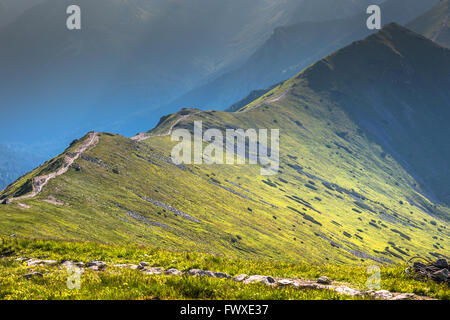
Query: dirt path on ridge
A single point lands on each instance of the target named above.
(268, 101)
(144, 136)
(41, 181)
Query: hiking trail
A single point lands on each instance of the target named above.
(40, 181)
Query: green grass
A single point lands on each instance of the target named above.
(99, 200)
(115, 283)
(131, 284)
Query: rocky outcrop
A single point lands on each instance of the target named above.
(437, 271)
(96, 265)
(267, 280)
(170, 208)
(323, 280)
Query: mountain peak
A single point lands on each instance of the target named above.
(392, 26)
(394, 84)
(393, 54)
(395, 32)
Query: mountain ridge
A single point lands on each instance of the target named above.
(339, 197)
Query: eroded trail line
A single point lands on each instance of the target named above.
(41, 181)
(323, 283)
(268, 101)
(144, 136)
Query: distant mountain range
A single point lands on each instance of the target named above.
(130, 55)
(11, 9)
(325, 10)
(14, 163)
(363, 170)
(10, 170)
(434, 24)
(292, 48)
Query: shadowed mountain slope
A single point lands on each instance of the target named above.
(344, 192)
(403, 105)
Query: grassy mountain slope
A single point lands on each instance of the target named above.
(435, 24)
(10, 9)
(340, 196)
(323, 10)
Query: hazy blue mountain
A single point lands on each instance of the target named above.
(292, 48)
(130, 55)
(323, 10)
(435, 24)
(152, 49)
(16, 162)
(403, 107)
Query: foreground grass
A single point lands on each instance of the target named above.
(114, 283)
(132, 284)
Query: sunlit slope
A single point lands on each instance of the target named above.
(394, 85)
(435, 24)
(339, 196)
